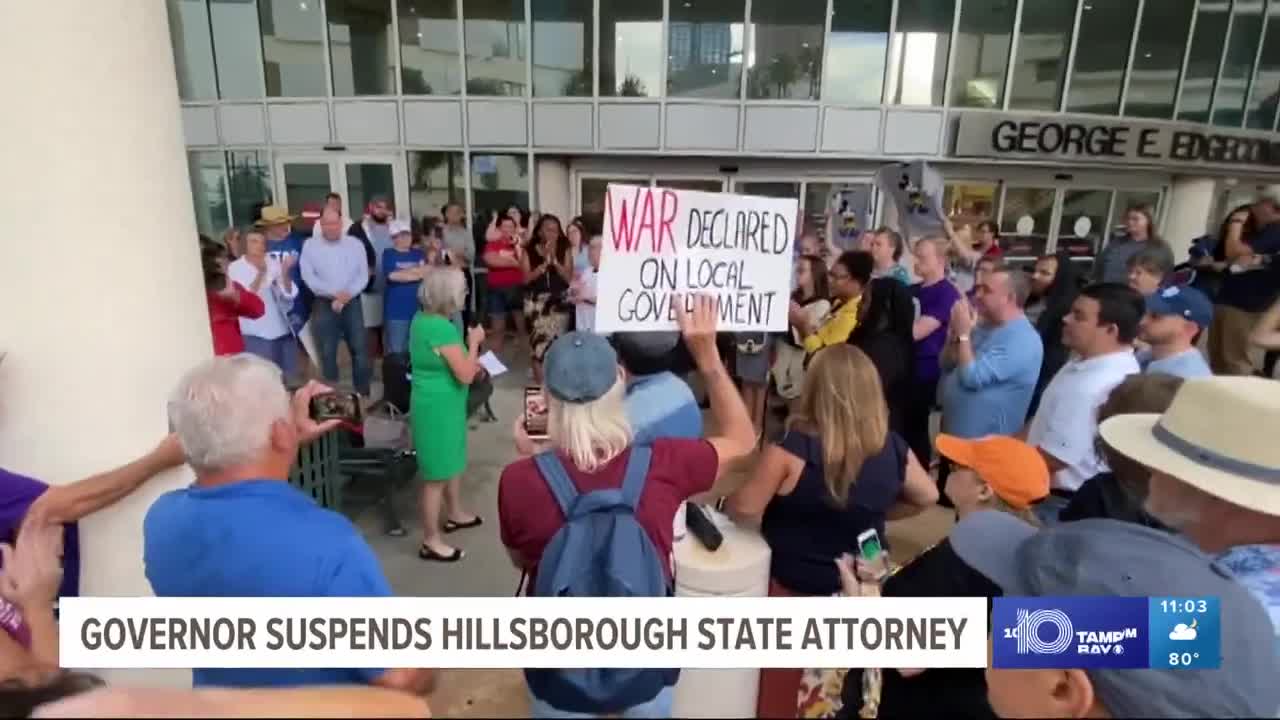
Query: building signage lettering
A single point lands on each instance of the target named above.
(1063, 138)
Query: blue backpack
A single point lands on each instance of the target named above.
(600, 551)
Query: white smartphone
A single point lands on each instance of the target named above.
(869, 548)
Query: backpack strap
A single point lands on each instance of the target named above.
(637, 470)
(557, 479)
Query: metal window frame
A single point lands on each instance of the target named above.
(1222, 62)
(1064, 90)
(888, 61)
(949, 71)
(1014, 40)
(397, 81)
(1128, 67)
(826, 51)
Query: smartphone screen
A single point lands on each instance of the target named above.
(869, 545)
(535, 413)
(336, 406)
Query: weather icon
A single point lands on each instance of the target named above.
(1182, 631)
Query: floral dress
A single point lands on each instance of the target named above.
(545, 308)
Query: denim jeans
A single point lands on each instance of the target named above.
(283, 351)
(330, 327)
(395, 336)
(658, 707)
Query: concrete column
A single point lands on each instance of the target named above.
(101, 296)
(1187, 217)
(552, 176)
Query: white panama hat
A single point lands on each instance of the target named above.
(1218, 435)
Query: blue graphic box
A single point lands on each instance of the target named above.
(1070, 632)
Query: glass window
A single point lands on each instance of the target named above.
(691, 184)
(768, 189)
(495, 45)
(918, 54)
(982, 53)
(591, 197)
(784, 56)
(1266, 83)
(1126, 199)
(292, 48)
(1102, 52)
(1157, 59)
(1024, 222)
(498, 181)
(305, 182)
(360, 49)
(969, 203)
(704, 48)
(430, 62)
(1237, 68)
(208, 191)
(435, 178)
(1084, 221)
(1041, 61)
(366, 181)
(236, 49)
(249, 175)
(192, 49)
(859, 45)
(562, 48)
(630, 47)
(1203, 61)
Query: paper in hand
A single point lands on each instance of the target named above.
(492, 364)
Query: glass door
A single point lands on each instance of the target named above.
(308, 178)
(1026, 222)
(1082, 223)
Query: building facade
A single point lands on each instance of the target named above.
(1048, 116)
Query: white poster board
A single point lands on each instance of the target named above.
(660, 241)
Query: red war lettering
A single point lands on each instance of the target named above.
(620, 221)
(672, 201)
(646, 221)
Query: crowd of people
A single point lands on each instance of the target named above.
(1086, 446)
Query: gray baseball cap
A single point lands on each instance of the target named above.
(1112, 558)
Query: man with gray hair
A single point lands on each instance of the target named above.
(241, 530)
(336, 269)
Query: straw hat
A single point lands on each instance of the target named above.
(1218, 436)
(273, 215)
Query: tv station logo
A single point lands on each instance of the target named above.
(1105, 632)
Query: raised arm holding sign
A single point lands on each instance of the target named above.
(660, 242)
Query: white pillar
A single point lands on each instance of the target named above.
(1190, 204)
(101, 297)
(552, 176)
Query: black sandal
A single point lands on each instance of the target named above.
(427, 553)
(451, 527)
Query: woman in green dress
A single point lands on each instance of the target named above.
(443, 369)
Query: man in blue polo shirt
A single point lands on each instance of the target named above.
(1175, 317)
(241, 530)
(659, 403)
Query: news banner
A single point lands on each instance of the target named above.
(835, 632)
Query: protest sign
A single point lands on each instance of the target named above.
(660, 241)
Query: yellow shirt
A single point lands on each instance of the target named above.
(836, 330)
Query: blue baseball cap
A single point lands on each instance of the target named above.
(580, 367)
(1183, 301)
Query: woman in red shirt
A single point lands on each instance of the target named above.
(228, 300)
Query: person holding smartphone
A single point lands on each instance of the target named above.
(993, 473)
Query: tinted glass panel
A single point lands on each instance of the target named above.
(495, 46)
(562, 48)
(1202, 64)
(1237, 69)
(435, 178)
(430, 63)
(918, 54)
(237, 49)
(631, 48)
(292, 48)
(1102, 52)
(982, 53)
(1157, 60)
(969, 203)
(1041, 60)
(784, 57)
(498, 181)
(361, 52)
(1084, 221)
(249, 175)
(859, 46)
(192, 49)
(1266, 81)
(208, 192)
(704, 48)
(1024, 221)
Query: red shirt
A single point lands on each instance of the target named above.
(503, 277)
(994, 252)
(528, 514)
(224, 318)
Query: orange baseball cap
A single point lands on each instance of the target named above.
(1015, 471)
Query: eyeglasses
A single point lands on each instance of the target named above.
(839, 276)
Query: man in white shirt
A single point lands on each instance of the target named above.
(336, 269)
(583, 289)
(1099, 331)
